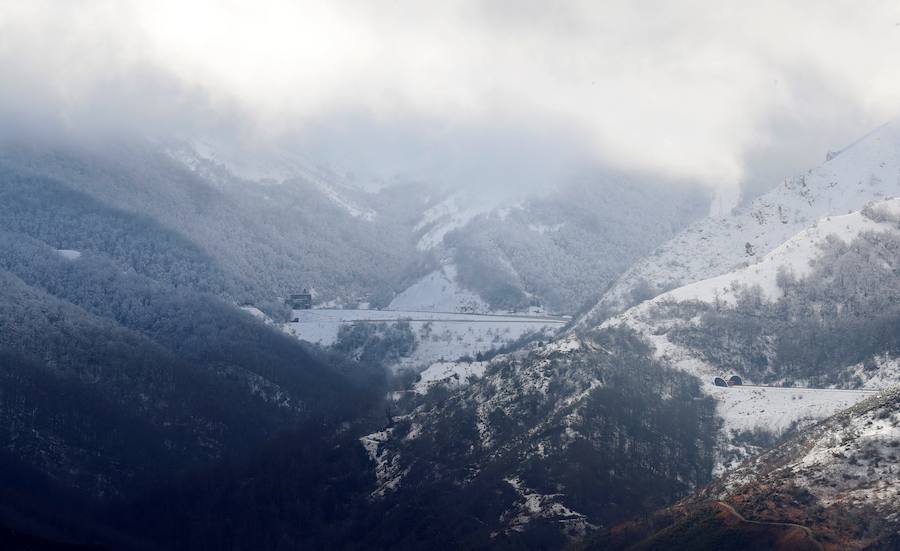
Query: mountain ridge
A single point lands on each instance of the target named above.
(868, 169)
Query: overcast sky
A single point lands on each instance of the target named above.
(516, 91)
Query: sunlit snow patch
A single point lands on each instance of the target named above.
(69, 254)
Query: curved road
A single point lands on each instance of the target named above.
(741, 517)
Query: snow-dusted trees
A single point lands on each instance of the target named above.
(844, 312)
(565, 249)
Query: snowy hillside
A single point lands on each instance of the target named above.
(867, 170)
(516, 432)
(452, 213)
(456, 373)
(439, 291)
(674, 322)
(270, 166)
(848, 465)
(811, 320)
(866, 432)
(832, 486)
(797, 256)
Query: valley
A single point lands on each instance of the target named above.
(466, 393)
(474, 275)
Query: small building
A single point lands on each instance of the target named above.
(734, 380)
(300, 301)
(719, 381)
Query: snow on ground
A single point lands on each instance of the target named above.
(850, 459)
(882, 372)
(796, 255)
(745, 408)
(544, 228)
(440, 335)
(749, 407)
(456, 372)
(855, 463)
(439, 292)
(639, 319)
(258, 314)
(69, 254)
(532, 505)
(271, 165)
(451, 213)
(325, 183)
(865, 171)
(387, 466)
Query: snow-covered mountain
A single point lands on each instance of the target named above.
(798, 257)
(452, 212)
(814, 320)
(741, 322)
(217, 162)
(866, 170)
(504, 252)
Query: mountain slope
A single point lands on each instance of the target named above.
(837, 481)
(549, 444)
(855, 256)
(272, 223)
(114, 383)
(867, 170)
(561, 249)
(818, 311)
(266, 241)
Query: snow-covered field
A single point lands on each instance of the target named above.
(440, 335)
(776, 408)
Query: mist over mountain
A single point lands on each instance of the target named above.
(478, 275)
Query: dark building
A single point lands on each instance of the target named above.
(300, 301)
(734, 380)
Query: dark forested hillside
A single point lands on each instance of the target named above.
(114, 383)
(610, 436)
(547, 446)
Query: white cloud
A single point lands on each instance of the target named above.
(689, 89)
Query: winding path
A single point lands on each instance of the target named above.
(742, 518)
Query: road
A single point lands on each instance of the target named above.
(859, 390)
(741, 517)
